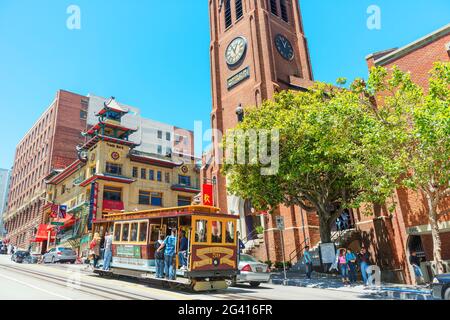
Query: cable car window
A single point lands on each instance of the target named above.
(230, 234)
(117, 230)
(216, 236)
(143, 232)
(154, 235)
(125, 232)
(134, 232)
(201, 231)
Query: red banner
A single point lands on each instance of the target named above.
(113, 205)
(54, 211)
(207, 195)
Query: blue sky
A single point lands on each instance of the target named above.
(154, 54)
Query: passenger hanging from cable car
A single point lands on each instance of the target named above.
(169, 247)
(159, 258)
(182, 255)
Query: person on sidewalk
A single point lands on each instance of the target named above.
(182, 255)
(108, 251)
(307, 260)
(343, 266)
(169, 247)
(159, 258)
(351, 261)
(364, 262)
(94, 247)
(415, 261)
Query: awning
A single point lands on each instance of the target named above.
(42, 233)
(66, 222)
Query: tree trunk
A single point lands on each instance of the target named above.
(437, 244)
(325, 228)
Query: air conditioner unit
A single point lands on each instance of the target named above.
(447, 47)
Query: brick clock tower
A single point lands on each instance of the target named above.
(257, 48)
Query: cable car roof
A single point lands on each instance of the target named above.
(167, 212)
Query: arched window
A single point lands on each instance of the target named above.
(273, 7)
(284, 13)
(239, 11)
(228, 20)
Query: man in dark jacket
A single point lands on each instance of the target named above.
(364, 263)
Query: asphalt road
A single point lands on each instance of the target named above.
(75, 282)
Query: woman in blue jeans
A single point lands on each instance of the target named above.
(343, 266)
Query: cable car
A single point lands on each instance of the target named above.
(212, 256)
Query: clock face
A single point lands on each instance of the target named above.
(236, 51)
(284, 47)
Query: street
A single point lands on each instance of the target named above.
(75, 282)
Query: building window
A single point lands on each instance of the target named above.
(167, 177)
(159, 134)
(159, 149)
(184, 201)
(184, 180)
(273, 7)
(63, 189)
(150, 198)
(168, 136)
(168, 151)
(159, 176)
(83, 115)
(144, 197)
(157, 199)
(115, 169)
(239, 11)
(284, 13)
(112, 194)
(135, 172)
(151, 175)
(228, 20)
(143, 174)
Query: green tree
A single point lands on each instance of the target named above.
(334, 153)
(424, 115)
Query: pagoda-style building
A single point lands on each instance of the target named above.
(111, 177)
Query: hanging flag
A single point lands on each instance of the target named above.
(54, 211)
(207, 195)
(62, 212)
(93, 205)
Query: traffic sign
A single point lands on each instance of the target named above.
(59, 224)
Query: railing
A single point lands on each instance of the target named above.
(251, 234)
(297, 253)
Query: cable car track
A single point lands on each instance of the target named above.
(62, 281)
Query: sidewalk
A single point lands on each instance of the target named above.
(333, 282)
